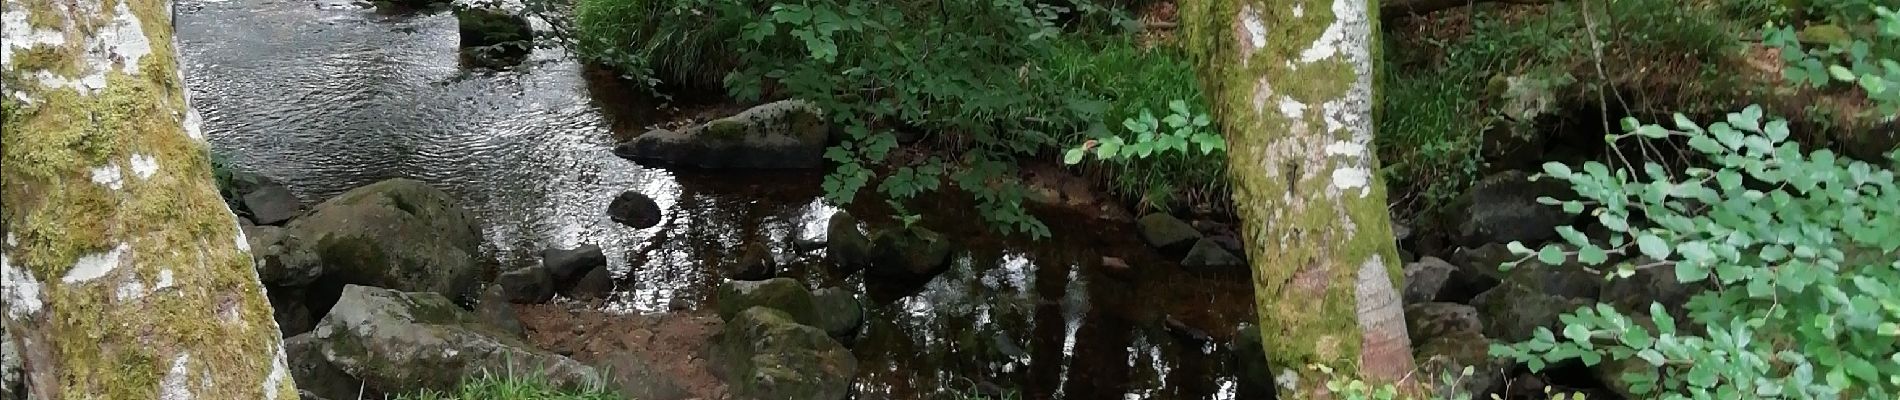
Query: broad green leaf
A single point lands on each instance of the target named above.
(1074, 156)
(1551, 254)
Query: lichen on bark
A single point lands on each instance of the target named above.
(139, 287)
(1293, 90)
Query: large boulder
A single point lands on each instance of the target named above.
(1567, 280)
(1425, 278)
(789, 134)
(634, 209)
(1656, 284)
(399, 234)
(1503, 208)
(838, 311)
(1449, 355)
(1424, 321)
(764, 355)
(315, 375)
(847, 247)
(495, 306)
(1208, 255)
(282, 259)
(1167, 233)
(908, 255)
(783, 294)
(399, 342)
(1513, 312)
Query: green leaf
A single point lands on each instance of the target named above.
(1591, 255)
(1557, 170)
(1552, 254)
(1614, 222)
(1202, 121)
(1652, 356)
(1074, 156)
(1841, 73)
(1179, 107)
(1652, 246)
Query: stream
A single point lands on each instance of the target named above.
(326, 96)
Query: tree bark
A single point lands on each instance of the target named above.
(125, 276)
(1292, 83)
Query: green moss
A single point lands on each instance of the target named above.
(214, 312)
(1307, 293)
(726, 130)
(42, 57)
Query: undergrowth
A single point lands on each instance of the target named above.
(532, 386)
(1439, 83)
(987, 84)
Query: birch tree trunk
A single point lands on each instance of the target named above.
(1293, 89)
(125, 276)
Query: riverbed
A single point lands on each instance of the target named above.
(326, 96)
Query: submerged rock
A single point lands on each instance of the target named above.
(399, 342)
(763, 354)
(1167, 233)
(634, 209)
(1208, 256)
(783, 294)
(789, 134)
(399, 234)
(908, 255)
(1503, 208)
(848, 248)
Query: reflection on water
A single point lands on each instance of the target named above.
(329, 98)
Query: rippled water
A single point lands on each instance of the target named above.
(327, 97)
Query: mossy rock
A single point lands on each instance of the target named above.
(908, 255)
(846, 246)
(763, 354)
(399, 234)
(788, 134)
(784, 294)
(400, 342)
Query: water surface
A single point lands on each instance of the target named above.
(326, 96)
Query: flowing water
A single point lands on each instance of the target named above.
(327, 96)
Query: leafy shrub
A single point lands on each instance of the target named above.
(1800, 247)
(989, 82)
(1866, 61)
(1139, 81)
(670, 40)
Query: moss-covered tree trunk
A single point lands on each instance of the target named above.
(1293, 89)
(125, 276)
